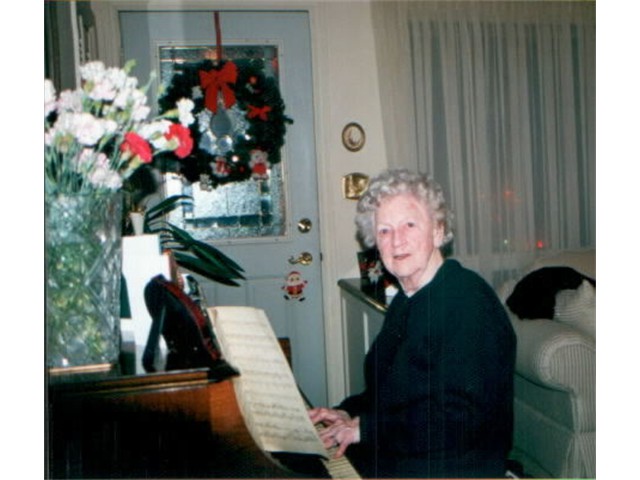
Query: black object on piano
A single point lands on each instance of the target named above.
(184, 326)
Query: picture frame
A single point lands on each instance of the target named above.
(374, 277)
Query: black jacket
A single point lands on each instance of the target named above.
(439, 384)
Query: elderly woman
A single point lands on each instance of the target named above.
(439, 376)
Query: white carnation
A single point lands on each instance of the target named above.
(123, 97)
(86, 128)
(64, 123)
(117, 77)
(154, 133)
(139, 109)
(110, 126)
(140, 113)
(185, 107)
(100, 172)
(103, 90)
(105, 177)
(92, 71)
(70, 101)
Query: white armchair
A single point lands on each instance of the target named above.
(554, 406)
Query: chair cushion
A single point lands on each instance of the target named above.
(578, 308)
(534, 296)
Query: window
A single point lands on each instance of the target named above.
(497, 102)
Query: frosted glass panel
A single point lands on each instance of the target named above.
(253, 208)
(171, 54)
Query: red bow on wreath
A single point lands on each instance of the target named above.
(260, 112)
(215, 81)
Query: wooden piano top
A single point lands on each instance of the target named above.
(184, 424)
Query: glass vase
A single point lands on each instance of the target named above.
(83, 268)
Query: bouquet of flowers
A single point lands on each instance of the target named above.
(98, 135)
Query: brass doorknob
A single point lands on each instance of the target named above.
(305, 258)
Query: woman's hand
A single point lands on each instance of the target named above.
(341, 430)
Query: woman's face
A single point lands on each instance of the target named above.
(408, 240)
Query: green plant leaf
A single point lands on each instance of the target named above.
(196, 265)
(164, 207)
(207, 253)
(210, 251)
(189, 252)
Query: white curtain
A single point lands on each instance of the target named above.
(502, 115)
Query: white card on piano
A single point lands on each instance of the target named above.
(269, 399)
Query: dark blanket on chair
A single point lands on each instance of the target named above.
(535, 295)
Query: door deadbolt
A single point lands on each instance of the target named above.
(305, 258)
(304, 225)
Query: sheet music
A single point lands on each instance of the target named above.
(269, 399)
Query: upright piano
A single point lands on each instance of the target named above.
(177, 424)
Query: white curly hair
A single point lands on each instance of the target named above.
(396, 182)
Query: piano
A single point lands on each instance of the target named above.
(176, 424)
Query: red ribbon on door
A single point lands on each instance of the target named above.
(260, 112)
(218, 81)
(216, 24)
(214, 82)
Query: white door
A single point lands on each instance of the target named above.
(294, 313)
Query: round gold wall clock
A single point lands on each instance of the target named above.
(353, 136)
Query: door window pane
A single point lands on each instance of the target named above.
(247, 209)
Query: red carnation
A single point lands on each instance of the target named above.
(137, 145)
(183, 135)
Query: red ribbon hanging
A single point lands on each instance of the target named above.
(260, 112)
(215, 81)
(216, 24)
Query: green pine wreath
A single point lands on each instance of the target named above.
(255, 123)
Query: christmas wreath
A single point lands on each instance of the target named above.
(239, 123)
